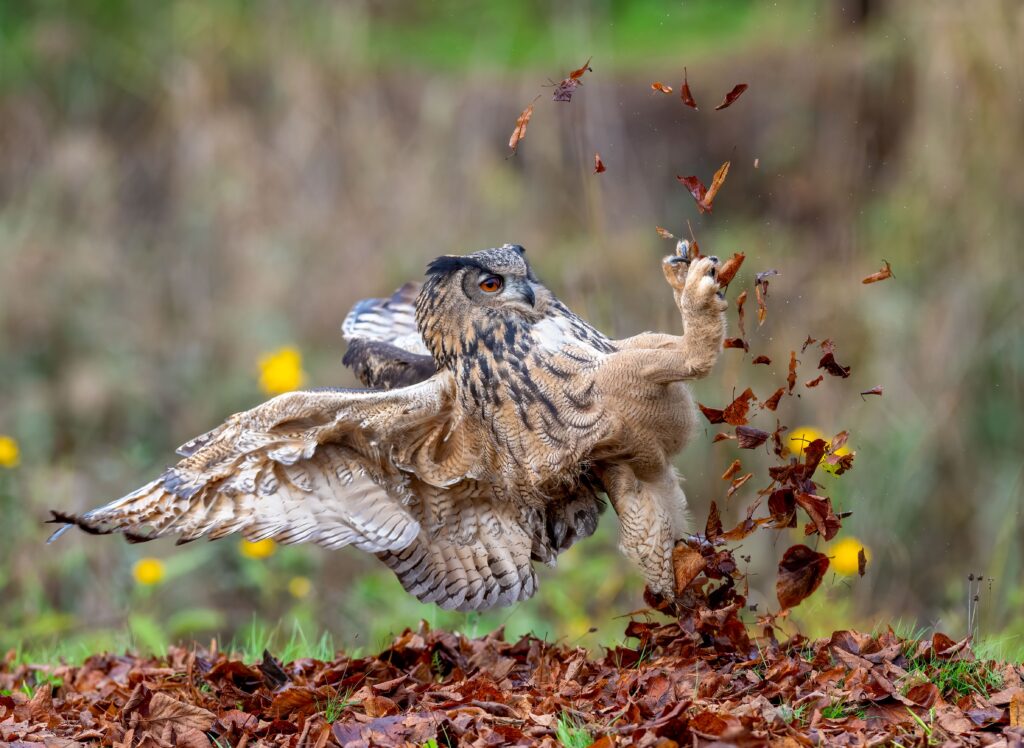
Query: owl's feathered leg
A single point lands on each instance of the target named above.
(652, 514)
(661, 358)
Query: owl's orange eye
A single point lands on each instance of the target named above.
(491, 284)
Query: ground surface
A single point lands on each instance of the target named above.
(434, 688)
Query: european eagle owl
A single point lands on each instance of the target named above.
(494, 423)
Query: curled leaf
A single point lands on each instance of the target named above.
(873, 391)
(800, 572)
(731, 97)
(881, 275)
(713, 415)
(565, 89)
(747, 437)
(520, 132)
(598, 164)
(659, 86)
(664, 233)
(734, 468)
(791, 379)
(815, 382)
(736, 343)
(730, 267)
(762, 360)
(684, 92)
(773, 402)
(740, 301)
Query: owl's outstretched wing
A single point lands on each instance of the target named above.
(331, 467)
(385, 349)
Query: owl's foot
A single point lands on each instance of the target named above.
(694, 284)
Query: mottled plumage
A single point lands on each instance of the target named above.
(498, 420)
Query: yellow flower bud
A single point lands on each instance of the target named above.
(260, 549)
(845, 556)
(10, 455)
(148, 571)
(299, 587)
(281, 371)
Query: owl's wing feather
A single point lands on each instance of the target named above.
(318, 466)
(473, 551)
(385, 349)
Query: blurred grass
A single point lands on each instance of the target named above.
(186, 187)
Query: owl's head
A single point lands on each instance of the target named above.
(473, 295)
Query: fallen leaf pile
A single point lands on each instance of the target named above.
(677, 683)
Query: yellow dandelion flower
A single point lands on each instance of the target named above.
(260, 549)
(281, 371)
(10, 455)
(845, 556)
(800, 437)
(148, 571)
(299, 587)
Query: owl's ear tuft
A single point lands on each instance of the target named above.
(448, 264)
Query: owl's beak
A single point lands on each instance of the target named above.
(526, 290)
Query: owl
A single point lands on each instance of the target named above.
(494, 425)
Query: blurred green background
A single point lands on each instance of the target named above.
(187, 187)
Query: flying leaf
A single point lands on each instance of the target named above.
(736, 343)
(687, 563)
(731, 97)
(730, 267)
(716, 184)
(773, 402)
(520, 132)
(800, 572)
(809, 341)
(762, 308)
(735, 414)
(713, 415)
(696, 188)
(791, 379)
(713, 528)
(740, 301)
(705, 196)
(684, 92)
(565, 89)
(815, 382)
(598, 164)
(747, 437)
(761, 292)
(819, 509)
(738, 483)
(762, 360)
(659, 86)
(721, 437)
(664, 233)
(881, 275)
(873, 391)
(828, 361)
(862, 562)
(734, 468)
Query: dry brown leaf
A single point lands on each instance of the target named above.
(661, 87)
(881, 275)
(165, 710)
(664, 233)
(520, 132)
(731, 97)
(599, 166)
(684, 91)
(687, 563)
(734, 468)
